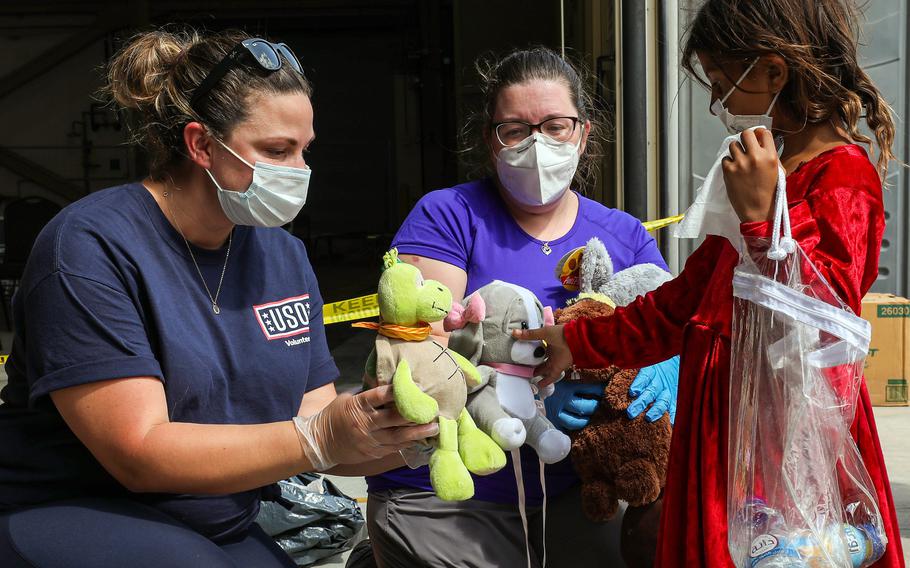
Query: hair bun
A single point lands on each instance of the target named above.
(138, 73)
(153, 78)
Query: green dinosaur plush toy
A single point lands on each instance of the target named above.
(429, 381)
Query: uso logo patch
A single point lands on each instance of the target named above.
(284, 318)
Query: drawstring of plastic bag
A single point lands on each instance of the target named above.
(781, 246)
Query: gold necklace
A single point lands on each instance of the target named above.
(214, 299)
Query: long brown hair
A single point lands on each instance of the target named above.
(817, 39)
(153, 78)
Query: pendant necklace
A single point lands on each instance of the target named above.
(213, 299)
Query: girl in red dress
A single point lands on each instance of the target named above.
(796, 61)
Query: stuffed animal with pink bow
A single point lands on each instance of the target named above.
(504, 406)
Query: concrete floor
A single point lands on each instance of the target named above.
(351, 347)
(894, 431)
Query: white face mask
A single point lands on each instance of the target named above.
(538, 170)
(275, 196)
(737, 123)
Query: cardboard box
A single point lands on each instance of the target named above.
(888, 363)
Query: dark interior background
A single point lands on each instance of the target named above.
(393, 80)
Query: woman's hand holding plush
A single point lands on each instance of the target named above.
(356, 428)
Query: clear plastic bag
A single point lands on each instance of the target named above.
(798, 492)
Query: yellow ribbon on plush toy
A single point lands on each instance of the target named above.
(408, 333)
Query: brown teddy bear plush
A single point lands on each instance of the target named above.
(616, 458)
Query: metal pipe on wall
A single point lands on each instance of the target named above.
(668, 136)
(634, 129)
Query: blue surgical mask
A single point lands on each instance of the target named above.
(274, 198)
(737, 123)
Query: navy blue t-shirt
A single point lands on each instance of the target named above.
(110, 291)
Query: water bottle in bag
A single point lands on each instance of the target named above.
(864, 544)
(861, 544)
(771, 548)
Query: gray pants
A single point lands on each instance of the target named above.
(411, 528)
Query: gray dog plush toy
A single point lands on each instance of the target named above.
(504, 406)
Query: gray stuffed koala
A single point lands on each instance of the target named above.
(504, 406)
(623, 287)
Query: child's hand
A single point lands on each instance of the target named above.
(559, 358)
(750, 174)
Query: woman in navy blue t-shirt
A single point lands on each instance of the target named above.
(169, 359)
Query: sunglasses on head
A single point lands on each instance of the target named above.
(265, 53)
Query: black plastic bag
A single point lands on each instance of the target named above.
(311, 519)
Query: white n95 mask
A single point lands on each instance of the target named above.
(537, 170)
(275, 196)
(738, 123)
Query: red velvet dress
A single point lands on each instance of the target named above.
(837, 216)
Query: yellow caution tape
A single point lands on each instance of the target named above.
(661, 223)
(353, 309)
(368, 306)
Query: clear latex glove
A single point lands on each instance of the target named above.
(658, 384)
(417, 455)
(358, 428)
(572, 404)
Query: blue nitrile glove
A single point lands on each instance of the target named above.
(658, 384)
(570, 407)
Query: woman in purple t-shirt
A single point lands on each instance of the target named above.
(538, 136)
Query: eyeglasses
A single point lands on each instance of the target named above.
(266, 54)
(560, 129)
